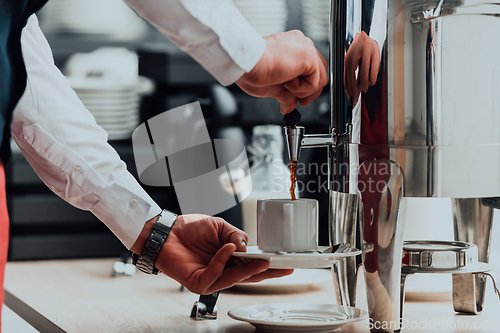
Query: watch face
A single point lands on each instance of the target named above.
(167, 218)
(165, 222)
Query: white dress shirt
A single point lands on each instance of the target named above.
(213, 32)
(69, 151)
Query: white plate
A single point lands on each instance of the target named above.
(119, 135)
(116, 120)
(111, 115)
(132, 100)
(113, 110)
(93, 86)
(301, 280)
(297, 317)
(296, 260)
(104, 95)
(127, 127)
(104, 108)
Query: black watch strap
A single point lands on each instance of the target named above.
(146, 261)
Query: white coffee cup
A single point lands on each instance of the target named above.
(287, 225)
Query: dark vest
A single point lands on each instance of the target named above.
(13, 16)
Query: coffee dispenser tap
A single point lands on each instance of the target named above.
(296, 139)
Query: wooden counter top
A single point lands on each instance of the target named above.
(81, 296)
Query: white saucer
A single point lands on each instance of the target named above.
(300, 280)
(297, 317)
(297, 259)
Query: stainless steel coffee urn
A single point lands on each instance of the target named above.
(390, 75)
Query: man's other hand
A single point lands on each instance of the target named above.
(198, 252)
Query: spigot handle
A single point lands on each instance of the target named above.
(292, 119)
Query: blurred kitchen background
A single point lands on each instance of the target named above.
(126, 72)
(140, 74)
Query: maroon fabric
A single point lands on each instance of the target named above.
(374, 142)
(4, 234)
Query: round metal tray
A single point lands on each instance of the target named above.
(441, 257)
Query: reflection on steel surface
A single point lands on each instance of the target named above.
(472, 222)
(424, 10)
(380, 187)
(397, 114)
(343, 212)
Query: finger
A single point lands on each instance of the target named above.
(303, 86)
(323, 60)
(375, 65)
(309, 99)
(236, 274)
(303, 89)
(295, 32)
(288, 101)
(313, 76)
(310, 80)
(230, 234)
(294, 86)
(303, 95)
(215, 268)
(364, 72)
(350, 65)
(269, 274)
(323, 70)
(350, 82)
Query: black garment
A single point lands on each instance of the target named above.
(13, 17)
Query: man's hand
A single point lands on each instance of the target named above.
(363, 55)
(197, 254)
(290, 70)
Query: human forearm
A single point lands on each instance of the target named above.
(69, 151)
(214, 33)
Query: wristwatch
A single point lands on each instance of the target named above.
(146, 261)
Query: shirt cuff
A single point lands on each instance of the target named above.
(125, 206)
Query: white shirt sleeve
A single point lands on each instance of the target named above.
(378, 31)
(69, 151)
(213, 32)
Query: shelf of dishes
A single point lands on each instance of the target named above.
(266, 16)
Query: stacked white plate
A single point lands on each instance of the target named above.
(265, 16)
(107, 17)
(316, 18)
(114, 106)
